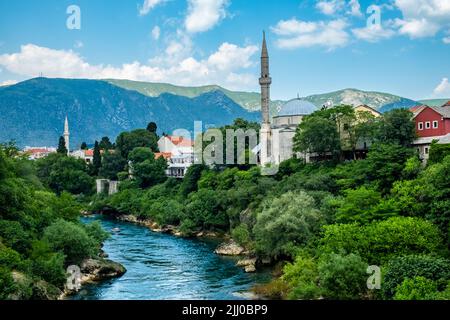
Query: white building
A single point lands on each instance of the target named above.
(179, 153)
(38, 152)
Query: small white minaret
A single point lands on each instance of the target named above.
(265, 82)
(67, 135)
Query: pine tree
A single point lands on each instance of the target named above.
(97, 160)
(83, 146)
(62, 146)
(152, 127)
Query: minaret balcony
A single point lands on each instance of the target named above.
(265, 80)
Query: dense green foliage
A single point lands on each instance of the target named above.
(330, 219)
(61, 173)
(40, 234)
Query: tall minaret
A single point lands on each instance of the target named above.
(265, 81)
(67, 135)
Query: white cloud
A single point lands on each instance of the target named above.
(225, 67)
(355, 8)
(443, 89)
(333, 7)
(8, 83)
(446, 40)
(417, 28)
(204, 14)
(373, 33)
(148, 6)
(423, 18)
(296, 34)
(156, 32)
(330, 7)
(229, 55)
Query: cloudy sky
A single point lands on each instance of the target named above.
(315, 46)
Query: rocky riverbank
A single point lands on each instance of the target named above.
(96, 270)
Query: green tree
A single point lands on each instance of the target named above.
(147, 170)
(112, 164)
(152, 127)
(343, 277)
(83, 146)
(385, 164)
(70, 239)
(417, 288)
(317, 135)
(190, 181)
(105, 144)
(62, 149)
(127, 141)
(7, 285)
(400, 268)
(379, 241)
(97, 159)
(397, 127)
(286, 222)
(360, 206)
(62, 173)
(438, 152)
(302, 277)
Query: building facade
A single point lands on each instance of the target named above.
(179, 154)
(432, 124)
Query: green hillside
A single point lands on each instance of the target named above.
(252, 100)
(248, 100)
(434, 102)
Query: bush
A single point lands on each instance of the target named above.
(302, 276)
(417, 288)
(7, 285)
(96, 232)
(378, 241)
(241, 235)
(70, 239)
(343, 277)
(286, 222)
(408, 267)
(10, 258)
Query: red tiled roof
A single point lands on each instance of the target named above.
(165, 155)
(37, 150)
(417, 108)
(181, 141)
(90, 152)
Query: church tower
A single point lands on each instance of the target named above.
(265, 81)
(67, 135)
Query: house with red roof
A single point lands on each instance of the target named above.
(38, 152)
(179, 153)
(432, 123)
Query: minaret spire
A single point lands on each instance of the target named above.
(266, 131)
(265, 81)
(67, 135)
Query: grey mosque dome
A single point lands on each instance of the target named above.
(297, 107)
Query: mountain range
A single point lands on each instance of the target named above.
(33, 111)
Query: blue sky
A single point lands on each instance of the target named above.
(315, 46)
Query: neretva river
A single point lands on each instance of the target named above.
(165, 267)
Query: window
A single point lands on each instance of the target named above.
(435, 124)
(420, 125)
(426, 150)
(427, 125)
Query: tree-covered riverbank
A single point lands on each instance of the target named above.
(40, 233)
(324, 222)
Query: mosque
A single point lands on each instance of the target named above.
(277, 136)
